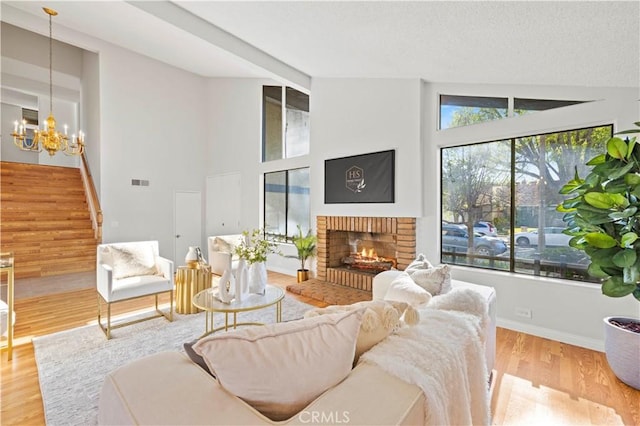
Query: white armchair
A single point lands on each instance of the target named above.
(130, 270)
(221, 252)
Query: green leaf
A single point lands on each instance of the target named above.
(615, 287)
(628, 212)
(599, 200)
(598, 159)
(595, 271)
(632, 145)
(569, 187)
(577, 242)
(617, 186)
(562, 209)
(621, 171)
(600, 240)
(617, 148)
(636, 293)
(630, 274)
(632, 179)
(628, 239)
(625, 258)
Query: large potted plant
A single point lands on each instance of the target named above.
(602, 215)
(306, 247)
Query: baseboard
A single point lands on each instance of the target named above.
(284, 271)
(572, 339)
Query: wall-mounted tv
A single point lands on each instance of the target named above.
(365, 178)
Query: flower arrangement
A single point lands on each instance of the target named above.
(255, 248)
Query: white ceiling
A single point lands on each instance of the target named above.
(545, 43)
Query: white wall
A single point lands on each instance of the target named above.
(358, 116)
(153, 125)
(90, 112)
(234, 129)
(563, 310)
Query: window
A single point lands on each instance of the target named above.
(285, 123)
(286, 202)
(457, 111)
(514, 184)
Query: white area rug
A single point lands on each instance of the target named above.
(72, 364)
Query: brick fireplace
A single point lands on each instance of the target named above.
(380, 241)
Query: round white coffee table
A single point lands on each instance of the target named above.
(208, 301)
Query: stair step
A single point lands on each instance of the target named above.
(43, 225)
(28, 197)
(57, 235)
(38, 206)
(31, 215)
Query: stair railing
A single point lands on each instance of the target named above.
(92, 198)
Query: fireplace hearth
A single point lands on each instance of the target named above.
(352, 250)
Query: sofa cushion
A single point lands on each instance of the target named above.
(420, 262)
(436, 280)
(379, 319)
(133, 261)
(280, 368)
(404, 289)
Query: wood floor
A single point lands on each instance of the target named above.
(537, 381)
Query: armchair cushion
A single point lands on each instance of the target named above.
(133, 261)
(142, 285)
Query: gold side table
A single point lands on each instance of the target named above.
(6, 265)
(190, 281)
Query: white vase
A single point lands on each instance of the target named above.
(258, 278)
(241, 280)
(191, 259)
(225, 285)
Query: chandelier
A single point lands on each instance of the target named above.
(48, 138)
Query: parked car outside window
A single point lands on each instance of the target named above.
(553, 236)
(485, 228)
(455, 238)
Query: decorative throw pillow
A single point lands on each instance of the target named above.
(130, 261)
(436, 280)
(379, 319)
(420, 262)
(280, 368)
(403, 289)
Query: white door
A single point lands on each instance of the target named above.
(187, 225)
(224, 197)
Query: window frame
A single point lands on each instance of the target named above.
(285, 237)
(512, 259)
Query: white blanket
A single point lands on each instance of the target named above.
(444, 356)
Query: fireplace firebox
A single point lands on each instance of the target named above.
(352, 250)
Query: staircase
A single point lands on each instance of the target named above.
(45, 220)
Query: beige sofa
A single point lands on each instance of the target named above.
(168, 388)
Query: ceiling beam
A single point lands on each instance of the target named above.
(187, 21)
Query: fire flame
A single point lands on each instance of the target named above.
(370, 254)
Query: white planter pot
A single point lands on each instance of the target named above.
(622, 348)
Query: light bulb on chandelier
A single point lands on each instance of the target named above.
(48, 138)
